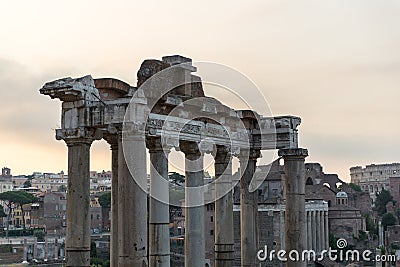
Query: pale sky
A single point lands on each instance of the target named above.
(335, 64)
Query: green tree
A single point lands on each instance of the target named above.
(355, 187)
(388, 219)
(39, 234)
(93, 249)
(382, 198)
(105, 200)
(176, 177)
(19, 198)
(2, 213)
(27, 183)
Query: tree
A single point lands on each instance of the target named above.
(382, 198)
(388, 219)
(105, 200)
(176, 177)
(27, 184)
(355, 187)
(19, 198)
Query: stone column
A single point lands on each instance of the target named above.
(132, 201)
(318, 230)
(112, 140)
(56, 249)
(322, 230)
(25, 257)
(326, 230)
(77, 241)
(194, 200)
(314, 231)
(296, 226)
(35, 249)
(248, 211)
(309, 231)
(224, 243)
(159, 245)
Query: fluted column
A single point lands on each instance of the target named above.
(248, 210)
(322, 230)
(296, 226)
(224, 243)
(159, 245)
(314, 231)
(112, 140)
(132, 201)
(77, 245)
(194, 201)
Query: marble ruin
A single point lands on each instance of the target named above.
(168, 109)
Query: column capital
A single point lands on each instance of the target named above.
(190, 148)
(249, 154)
(300, 153)
(154, 144)
(223, 154)
(82, 135)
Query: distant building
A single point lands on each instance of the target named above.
(373, 178)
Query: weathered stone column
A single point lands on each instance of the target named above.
(248, 211)
(322, 230)
(309, 231)
(326, 230)
(224, 243)
(296, 227)
(318, 230)
(77, 241)
(132, 201)
(314, 231)
(194, 200)
(282, 232)
(112, 139)
(159, 246)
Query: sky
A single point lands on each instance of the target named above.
(335, 64)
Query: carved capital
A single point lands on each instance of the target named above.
(295, 153)
(223, 155)
(249, 154)
(154, 144)
(191, 149)
(80, 135)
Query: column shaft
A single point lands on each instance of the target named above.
(194, 211)
(224, 243)
(248, 212)
(314, 231)
(322, 230)
(326, 230)
(296, 226)
(114, 206)
(318, 230)
(78, 203)
(132, 202)
(159, 245)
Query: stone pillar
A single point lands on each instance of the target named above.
(296, 226)
(132, 201)
(159, 244)
(224, 243)
(77, 239)
(309, 231)
(314, 231)
(194, 200)
(248, 211)
(112, 140)
(322, 230)
(318, 230)
(326, 230)
(46, 248)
